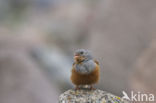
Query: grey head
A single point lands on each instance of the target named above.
(84, 61)
(83, 54)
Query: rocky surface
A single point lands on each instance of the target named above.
(89, 96)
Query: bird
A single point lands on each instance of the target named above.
(85, 69)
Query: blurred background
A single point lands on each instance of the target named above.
(38, 38)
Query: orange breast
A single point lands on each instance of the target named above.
(85, 79)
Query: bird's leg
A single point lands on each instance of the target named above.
(92, 88)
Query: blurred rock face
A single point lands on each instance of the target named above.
(121, 31)
(116, 31)
(21, 80)
(143, 79)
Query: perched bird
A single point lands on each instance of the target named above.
(85, 70)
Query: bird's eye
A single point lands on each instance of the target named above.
(81, 52)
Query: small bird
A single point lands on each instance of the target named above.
(85, 70)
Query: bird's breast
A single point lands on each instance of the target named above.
(85, 67)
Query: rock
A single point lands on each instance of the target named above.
(89, 96)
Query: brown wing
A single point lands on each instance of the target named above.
(96, 62)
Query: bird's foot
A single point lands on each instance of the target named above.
(76, 88)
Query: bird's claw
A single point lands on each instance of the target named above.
(92, 88)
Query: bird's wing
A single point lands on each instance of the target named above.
(96, 62)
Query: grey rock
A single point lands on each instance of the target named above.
(89, 96)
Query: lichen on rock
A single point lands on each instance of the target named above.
(89, 96)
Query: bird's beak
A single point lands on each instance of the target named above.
(76, 57)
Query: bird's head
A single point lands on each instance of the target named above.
(81, 55)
